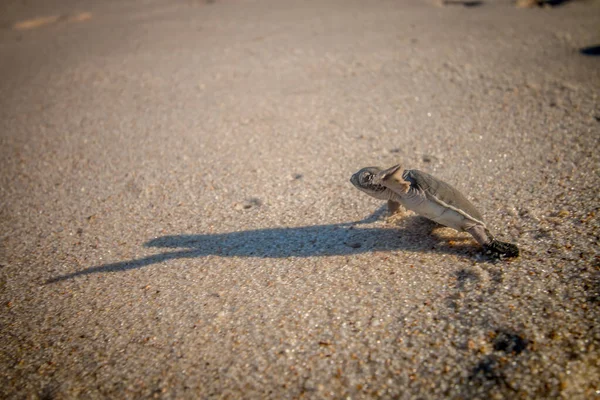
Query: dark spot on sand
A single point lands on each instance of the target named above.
(427, 158)
(593, 51)
(509, 342)
(248, 204)
(487, 369)
(467, 3)
(354, 245)
(464, 277)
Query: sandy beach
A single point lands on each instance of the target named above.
(177, 220)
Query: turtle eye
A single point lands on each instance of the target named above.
(366, 177)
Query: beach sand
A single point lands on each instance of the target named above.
(177, 219)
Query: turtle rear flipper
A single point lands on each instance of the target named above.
(497, 248)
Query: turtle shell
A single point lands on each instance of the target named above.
(438, 190)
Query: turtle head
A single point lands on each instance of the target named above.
(368, 181)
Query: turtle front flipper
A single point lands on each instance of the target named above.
(497, 248)
(393, 207)
(392, 179)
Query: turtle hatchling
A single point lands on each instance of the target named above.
(432, 198)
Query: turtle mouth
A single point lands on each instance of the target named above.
(374, 187)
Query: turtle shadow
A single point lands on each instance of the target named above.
(412, 234)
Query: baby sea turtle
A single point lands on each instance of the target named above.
(428, 196)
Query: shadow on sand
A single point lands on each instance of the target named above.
(413, 233)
